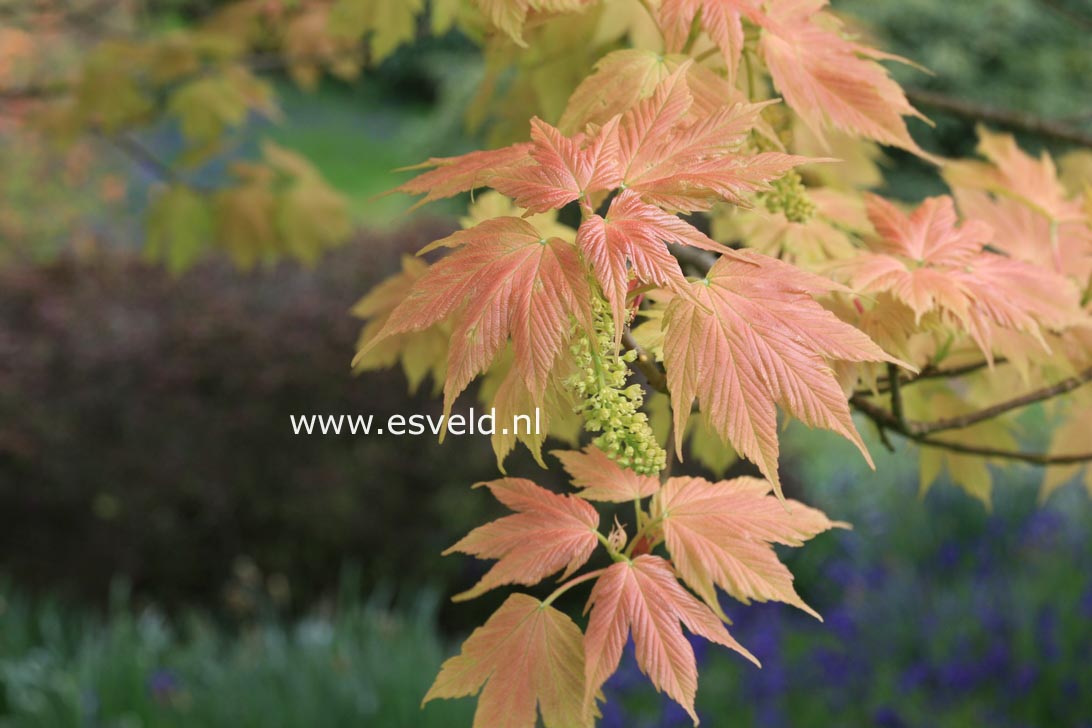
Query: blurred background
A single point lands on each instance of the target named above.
(171, 555)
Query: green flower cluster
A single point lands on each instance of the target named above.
(608, 405)
(790, 196)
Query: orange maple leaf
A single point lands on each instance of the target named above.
(565, 170)
(750, 336)
(449, 176)
(644, 597)
(686, 163)
(421, 353)
(503, 281)
(931, 263)
(529, 658)
(722, 534)
(829, 80)
(602, 479)
(546, 533)
(630, 240)
(721, 20)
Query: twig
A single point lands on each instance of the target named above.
(921, 432)
(700, 259)
(645, 364)
(1034, 458)
(932, 372)
(917, 430)
(988, 413)
(1009, 118)
(896, 395)
(142, 155)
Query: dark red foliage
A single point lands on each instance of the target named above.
(144, 430)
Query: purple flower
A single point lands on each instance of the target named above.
(1046, 633)
(915, 675)
(1086, 603)
(886, 717)
(948, 555)
(674, 715)
(163, 685)
(1025, 678)
(842, 622)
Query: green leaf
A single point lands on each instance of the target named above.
(179, 227)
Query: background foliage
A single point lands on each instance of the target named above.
(143, 434)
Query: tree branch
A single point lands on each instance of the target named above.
(701, 260)
(988, 413)
(921, 432)
(645, 363)
(932, 372)
(1009, 118)
(1034, 458)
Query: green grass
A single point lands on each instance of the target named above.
(361, 665)
(357, 136)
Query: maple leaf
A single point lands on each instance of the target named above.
(644, 597)
(749, 337)
(1013, 295)
(420, 353)
(631, 240)
(829, 80)
(566, 170)
(529, 657)
(721, 20)
(970, 472)
(1070, 438)
(504, 390)
(620, 80)
(510, 15)
(449, 176)
(1015, 173)
(546, 533)
(179, 227)
(722, 534)
(688, 165)
(503, 281)
(602, 479)
(1027, 205)
(625, 77)
(931, 263)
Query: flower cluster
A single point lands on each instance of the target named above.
(610, 406)
(790, 196)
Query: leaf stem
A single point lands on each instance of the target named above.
(570, 584)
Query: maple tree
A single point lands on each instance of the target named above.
(807, 295)
(674, 203)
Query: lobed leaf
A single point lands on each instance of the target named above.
(548, 532)
(643, 597)
(722, 534)
(526, 658)
(750, 337)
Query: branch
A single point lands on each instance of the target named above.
(1009, 118)
(700, 259)
(896, 394)
(931, 372)
(920, 432)
(1039, 395)
(1034, 458)
(645, 363)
